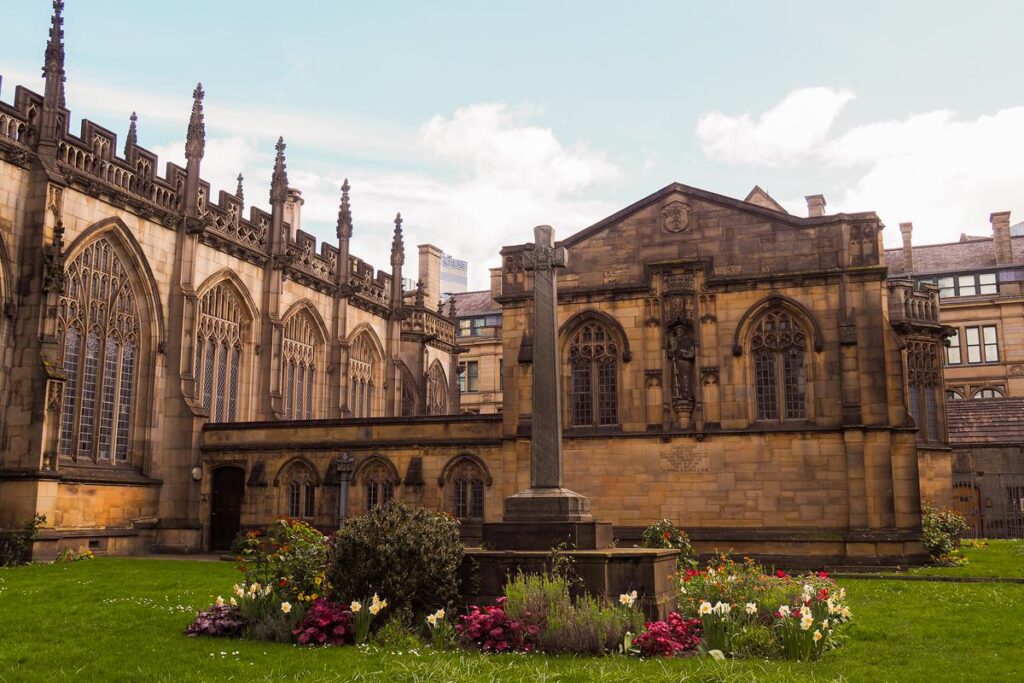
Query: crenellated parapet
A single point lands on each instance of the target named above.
(369, 289)
(305, 265)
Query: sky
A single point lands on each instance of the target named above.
(479, 120)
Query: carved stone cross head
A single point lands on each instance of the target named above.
(545, 255)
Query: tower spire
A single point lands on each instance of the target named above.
(279, 181)
(195, 140)
(239, 192)
(132, 139)
(397, 245)
(53, 64)
(344, 214)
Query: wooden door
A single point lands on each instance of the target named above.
(967, 501)
(226, 506)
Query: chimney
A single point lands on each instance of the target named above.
(908, 249)
(293, 210)
(1001, 237)
(430, 274)
(495, 282)
(815, 205)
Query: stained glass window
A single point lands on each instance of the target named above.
(593, 355)
(219, 352)
(779, 349)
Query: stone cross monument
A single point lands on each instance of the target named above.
(546, 514)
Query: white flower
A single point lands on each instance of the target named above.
(817, 636)
(627, 599)
(716, 654)
(722, 608)
(808, 591)
(432, 620)
(824, 623)
(219, 602)
(845, 612)
(832, 606)
(238, 590)
(233, 602)
(784, 610)
(806, 621)
(705, 608)
(751, 608)
(439, 614)
(355, 606)
(286, 607)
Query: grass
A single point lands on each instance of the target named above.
(1001, 558)
(121, 619)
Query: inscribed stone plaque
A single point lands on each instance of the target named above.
(687, 459)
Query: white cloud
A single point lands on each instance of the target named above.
(944, 172)
(781, 136)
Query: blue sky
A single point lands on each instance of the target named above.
(478, 120)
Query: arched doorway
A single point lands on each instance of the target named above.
(226, 506)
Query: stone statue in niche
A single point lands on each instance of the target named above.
(681, 354)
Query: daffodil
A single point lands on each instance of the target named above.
(806, 621)
(751, 608)
(233, 602)
(439, 614)
(355, 606)
(219, 602)
(824, 623)
(286, 607)
(705, 608)
(432, 620)
(784, 610)
(817, 636)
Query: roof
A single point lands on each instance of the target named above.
(475, 303)
(970, 253)
(985, 421)
(761, 198)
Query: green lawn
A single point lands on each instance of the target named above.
(1001, 558)
(121, 619)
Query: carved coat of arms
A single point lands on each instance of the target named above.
(675, 216)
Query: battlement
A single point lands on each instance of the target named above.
(131, 180)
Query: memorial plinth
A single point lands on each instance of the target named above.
(548, 516)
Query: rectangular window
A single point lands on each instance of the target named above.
(472, 375)
(987, 283)
(988, 337)
(501, 374)
(946, 288)
(462, 377)
(965, 285)
(953, 350)
(973, 335)
(478, 324)
(764, 386)
(465, 327)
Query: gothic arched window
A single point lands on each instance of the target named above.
(299, 361)
(379, 486)
(299, 492)
(467, 491)
(98, 338)
(218, 352)
(778, 348)
(924, 379)
(593, 376)
(437, 390)
(362, 371)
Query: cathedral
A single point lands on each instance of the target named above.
(176, 368)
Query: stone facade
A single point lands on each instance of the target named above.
(137, 308)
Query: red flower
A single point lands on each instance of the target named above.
(781, 574)
(822, 575)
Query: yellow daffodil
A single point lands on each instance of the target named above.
(219, 602)
(233, 602)
(439, 614)
(432, 620)
(355, 606)
(806, 621)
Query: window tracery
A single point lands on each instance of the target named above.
(924, 380)
(218, 352)
(98, 338)
(300, 353)
(300, 492)
(593, 376)
(379, 487)
(362, 370)
(467, 487)
(437, 390)
(779, 348)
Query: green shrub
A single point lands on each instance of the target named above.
(665, 534)
(941, 531)
(397, 634)
(289, 555)
(565, 625)
(16, 544)
(409, 556)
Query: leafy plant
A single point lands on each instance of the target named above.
(669, 638)
(397, 634)
(411, 555)
(941, 531)
(665, 534)
(289, 555)
(325, 623)
(442, 633)
(16, 544)
(490, 629)
(363, 616)
(219, 621)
